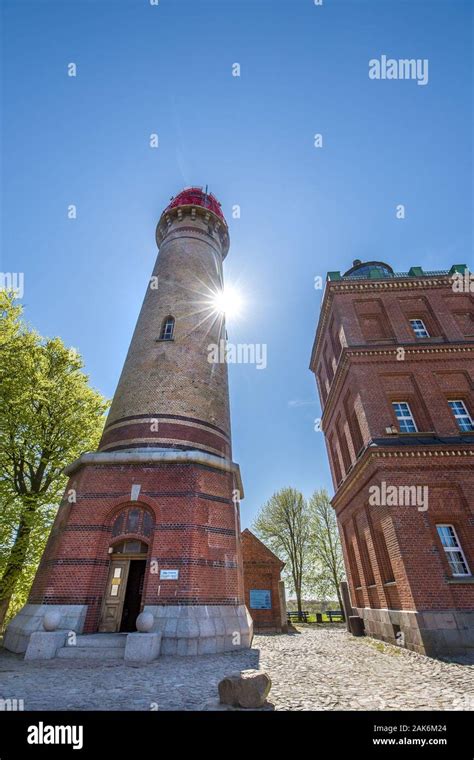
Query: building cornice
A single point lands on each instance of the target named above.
(145, 458)
(390, 352)
(191, 213)
(441, 451)
(342, 287)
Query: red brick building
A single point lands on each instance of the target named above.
(151, 520)
(264, 589)
(394, 362)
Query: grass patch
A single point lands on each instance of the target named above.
(381, 646)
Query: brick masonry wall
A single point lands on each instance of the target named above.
(176, 380)
(393, 554)
(196, 529)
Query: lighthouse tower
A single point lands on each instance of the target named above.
(151, 520)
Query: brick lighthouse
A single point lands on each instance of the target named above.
(394, 360)
(151, 520)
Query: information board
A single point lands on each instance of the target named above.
(260, 599)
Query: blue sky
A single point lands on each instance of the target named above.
(167, 69)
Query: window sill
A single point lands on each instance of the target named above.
(430, 339)
(469, 579)
(390, 583)
(164, 340)
(416, 434)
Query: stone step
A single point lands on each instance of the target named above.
(91, 653)
(102, 640)
(96, 646)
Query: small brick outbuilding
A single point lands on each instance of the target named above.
(264, 589)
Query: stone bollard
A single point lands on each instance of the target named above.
(145, 622)
(51, 620)
(143, 646)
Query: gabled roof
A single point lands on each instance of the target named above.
(248, 535)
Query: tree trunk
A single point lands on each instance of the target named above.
(298, 602)
(14, 564)
(4, 604)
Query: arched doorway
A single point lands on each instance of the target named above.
(122, 601)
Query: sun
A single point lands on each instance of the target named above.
(227, 302)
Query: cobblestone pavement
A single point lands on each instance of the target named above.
(314, 669)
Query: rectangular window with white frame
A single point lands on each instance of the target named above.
(406, 421)
(419, 328)
(461, 415)
(454, 553)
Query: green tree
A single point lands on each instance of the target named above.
(282, 524)
(48, 416)
(325, 548)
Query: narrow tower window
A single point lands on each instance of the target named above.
(462, 416)
(452, 547)
(404, 416)
(419, 328)
(167, 329)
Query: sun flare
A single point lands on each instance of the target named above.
(227, 302)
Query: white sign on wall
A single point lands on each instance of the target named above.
(169, 575)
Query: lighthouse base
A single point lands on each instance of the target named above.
(202, 629)
(185, 630)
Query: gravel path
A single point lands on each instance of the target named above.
(320, 668)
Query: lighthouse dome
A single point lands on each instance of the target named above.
(196, 196)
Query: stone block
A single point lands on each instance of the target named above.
(394, 617)
(30, 619)
(207, 645)
(387, 631)
(451, 640)
(219, 626)
(429, 620)
(231, 625)
(206, 627)
(187, 647)
(187, 627)
(447, 620)
(202, 612)
(246, 640)
(142, 647)
(410, 620)
(429, 639)
(222, 623)
(171, 626)
(43, 645)
(412, 636)
(160, 611)
(249, 690)
(169, 646)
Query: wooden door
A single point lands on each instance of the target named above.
(112, 605)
